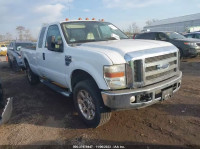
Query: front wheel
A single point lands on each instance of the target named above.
(88, 102)
(32, 78)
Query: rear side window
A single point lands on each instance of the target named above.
(2, 46)
(150, 36)
(41, 37)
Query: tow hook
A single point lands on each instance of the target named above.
(6, 111)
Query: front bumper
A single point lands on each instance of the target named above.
(122, 99)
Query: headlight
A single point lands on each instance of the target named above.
(115, 76)
(190, 44)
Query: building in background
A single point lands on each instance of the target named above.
(178, 24)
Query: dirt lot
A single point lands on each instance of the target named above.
(43, 117)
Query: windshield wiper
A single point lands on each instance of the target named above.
(82, 41)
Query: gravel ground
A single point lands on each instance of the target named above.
(43, 117)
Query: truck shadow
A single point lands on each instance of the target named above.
(180, 109)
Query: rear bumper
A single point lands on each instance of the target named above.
(123, 99)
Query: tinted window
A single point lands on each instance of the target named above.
(141, 36)
(174, 35)
(2, 46)
(197, 36)
(53, 38)
(150, 36)
(161, 36)
(190, 36)
(26, 45)
(41, 37)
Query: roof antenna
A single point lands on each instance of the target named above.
(69, 9)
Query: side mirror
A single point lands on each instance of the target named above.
(54, 45)
(19, 48)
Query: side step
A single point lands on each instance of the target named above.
(56, 88)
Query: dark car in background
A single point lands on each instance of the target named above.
(14, 54)
(188, 47)
(195, 35)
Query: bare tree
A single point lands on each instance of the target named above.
(149, 22)
(27, 34)
(8, 36)
(133, 28)
(20, 30)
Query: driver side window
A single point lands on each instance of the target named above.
(54, 40)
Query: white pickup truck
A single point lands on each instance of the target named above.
(101, 68)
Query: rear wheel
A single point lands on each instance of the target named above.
(89, 104)
(32, 78)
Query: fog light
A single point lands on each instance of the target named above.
(132, 99)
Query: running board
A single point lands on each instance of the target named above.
(56, 88)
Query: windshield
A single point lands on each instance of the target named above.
(174, 35)
(26, 45)
(81, 32)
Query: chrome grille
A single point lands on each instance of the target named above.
(160, 67)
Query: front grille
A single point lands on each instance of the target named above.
(154, 69)
(160, 67)
(161, 57)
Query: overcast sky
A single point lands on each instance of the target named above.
(33, 13)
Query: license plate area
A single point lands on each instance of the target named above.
(167, 93)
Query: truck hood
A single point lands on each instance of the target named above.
(116, 50)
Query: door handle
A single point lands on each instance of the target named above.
(68, 60)
(43, 55)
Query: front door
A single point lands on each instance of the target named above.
(53, 57)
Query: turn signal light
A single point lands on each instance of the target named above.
(114, 75)
(79, 18)
(87, 19)
(93, 19)
(66, 19)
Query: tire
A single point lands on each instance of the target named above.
(15, 66)
(32, 78)
(181, 53)
(89, 104)
(9, 62)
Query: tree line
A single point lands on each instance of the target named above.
(22, 34)
(134, 28)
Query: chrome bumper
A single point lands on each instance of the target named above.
(121, 99)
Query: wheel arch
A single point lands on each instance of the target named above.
(80, 75)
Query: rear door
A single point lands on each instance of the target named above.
(40, 50)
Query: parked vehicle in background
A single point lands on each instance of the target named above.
(195, 35)
(14, 52)
(187, 47)
(3, 49)
(102, 68)
(134, 35)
